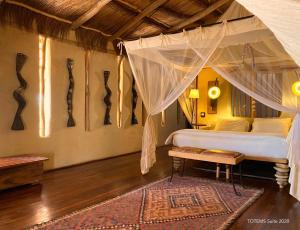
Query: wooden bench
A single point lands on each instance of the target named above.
(20, 170)
(215, 156)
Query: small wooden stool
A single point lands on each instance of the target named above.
(216, 156)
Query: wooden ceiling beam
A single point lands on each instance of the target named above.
(132, 8)
(182, 17)
(198, 16)
(208, 3)
(204, 5)
(154, 21)
(174, 13)
(136, 20)
(89, 14)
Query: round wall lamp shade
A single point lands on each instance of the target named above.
(296, 88)
(214, 92)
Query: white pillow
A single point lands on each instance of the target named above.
(232, 125)
(279, 126)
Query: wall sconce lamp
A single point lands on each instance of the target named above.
(214, 92)
(296, 88)
(193, 96)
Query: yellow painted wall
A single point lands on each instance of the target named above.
(224, 101)
(67, 146)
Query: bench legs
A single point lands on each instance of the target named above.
(232, 180)
(218, 171)
(241, 175)
(227, 172)
(282, 174)
(172, 168)
(180, 162)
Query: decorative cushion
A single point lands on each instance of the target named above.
(221, 153)
(187, 149)
(240, 125)
(279, 126)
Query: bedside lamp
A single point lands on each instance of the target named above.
(193, 96)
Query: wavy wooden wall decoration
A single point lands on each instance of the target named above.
(107, 97)
(71, 122)
(18, 93)
(134, 99)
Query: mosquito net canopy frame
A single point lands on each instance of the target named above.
(251, 56)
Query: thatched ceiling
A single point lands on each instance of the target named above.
(97, 21)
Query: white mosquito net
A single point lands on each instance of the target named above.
(245, 52)
(186, 104)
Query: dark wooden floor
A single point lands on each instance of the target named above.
(67, 190)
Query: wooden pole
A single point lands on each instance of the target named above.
(199, 15)
(89, 14)
(87, 91)
(135, 21)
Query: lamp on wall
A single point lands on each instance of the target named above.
(194, 95)
(296, 88)
(214, 92)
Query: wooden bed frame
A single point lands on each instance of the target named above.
(281, 167)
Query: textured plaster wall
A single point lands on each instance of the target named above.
(68, 146)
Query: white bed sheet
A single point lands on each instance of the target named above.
(250, 144)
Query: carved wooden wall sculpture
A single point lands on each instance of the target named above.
(134, 99)
(18, 93)
(71, 122)
(107, 99)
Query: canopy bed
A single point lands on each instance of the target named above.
(241, 51)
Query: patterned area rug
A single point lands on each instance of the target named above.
(185, 203)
